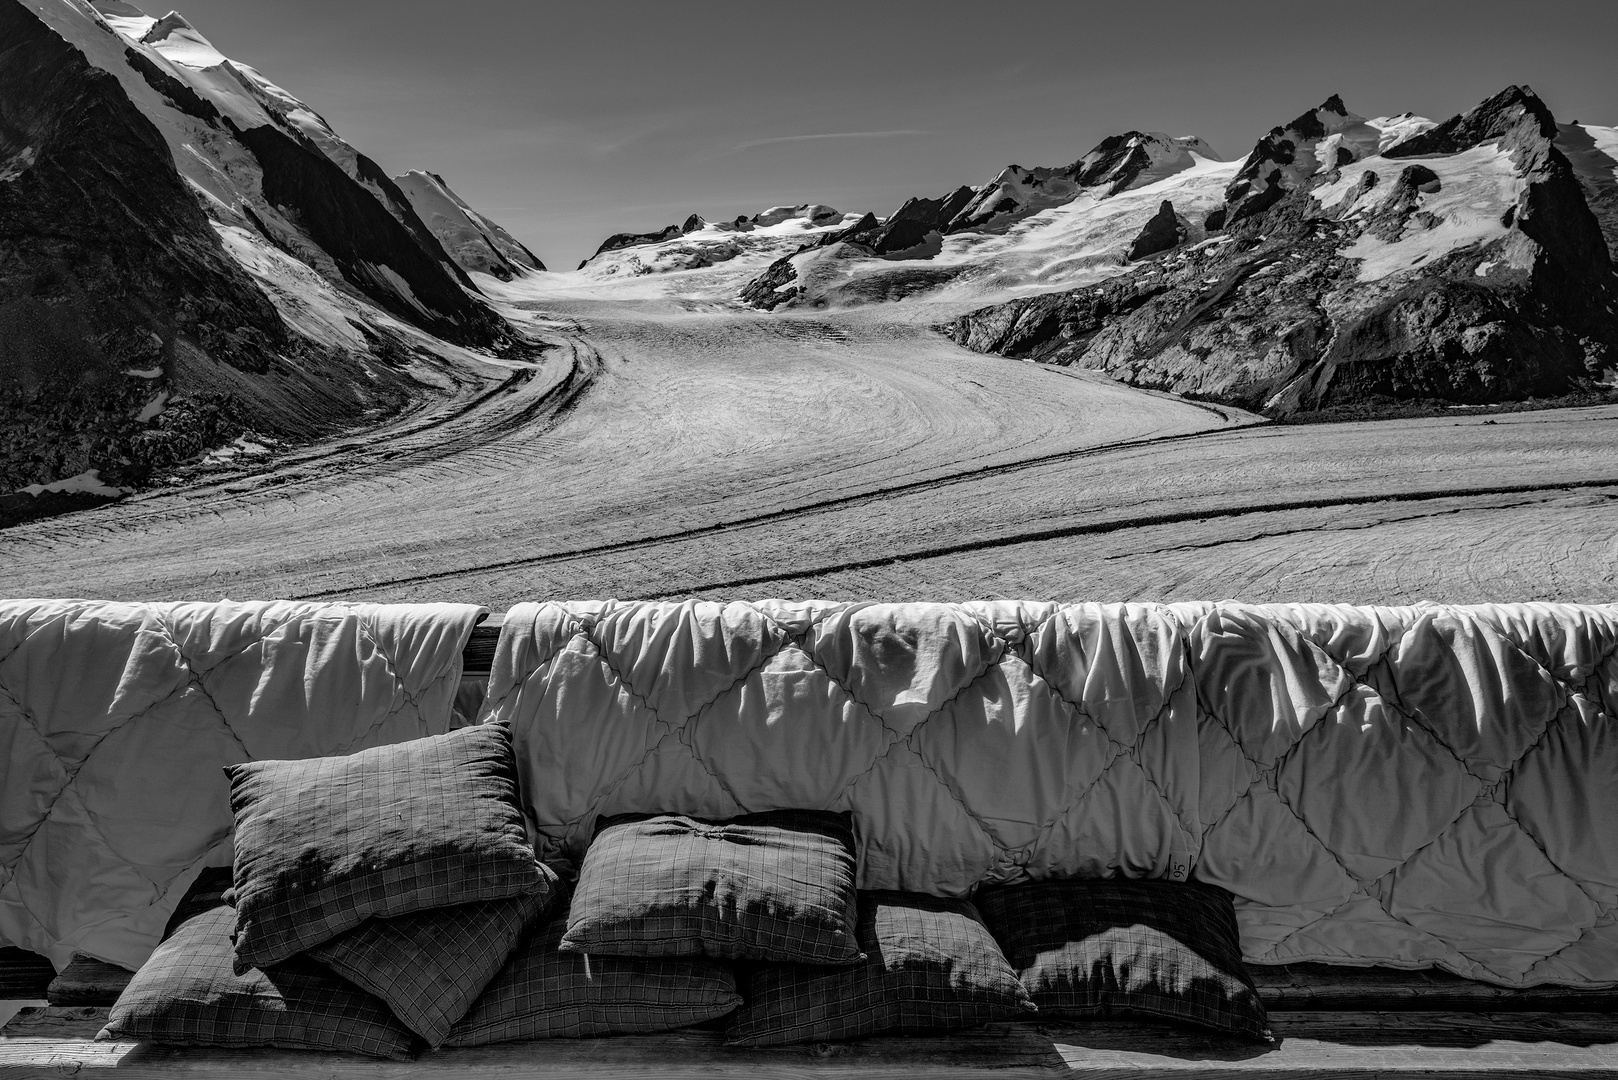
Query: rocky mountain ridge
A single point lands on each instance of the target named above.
(188, 254)
(1344, 264)
(1453, 263)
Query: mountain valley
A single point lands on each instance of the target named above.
(237, 357)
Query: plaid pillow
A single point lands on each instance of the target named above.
(545, 993)
(771, 886)
(326, 843)
(188, 994)
(430, 966)
(930, 965)
(1143, 948)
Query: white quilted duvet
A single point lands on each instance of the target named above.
(1410, 786)
(115, 720)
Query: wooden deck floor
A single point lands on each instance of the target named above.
(1312, 1043)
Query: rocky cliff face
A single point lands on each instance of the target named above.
(188, 253)
(121, 314)
(1593, 153)
(1458, 264)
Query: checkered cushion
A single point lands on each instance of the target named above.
(930, 965)
(771, 886)
(188, 994)
(1144, 948)
(325, 843)
(544, 993)
(430, 966)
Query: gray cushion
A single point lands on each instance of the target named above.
(430, 966)
(930, 965)
(188, 994)
(326, 843)
(770, 886)
(1158, 949)
(543, 993)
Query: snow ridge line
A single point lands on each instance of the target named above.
(789, 512)
(1143, 521)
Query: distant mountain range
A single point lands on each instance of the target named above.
(190, 255)
(1344, 266)
(1354, 266)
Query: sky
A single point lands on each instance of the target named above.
(567, 122)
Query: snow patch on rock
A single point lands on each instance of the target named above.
(88, 483)
(307, 301)
(1477, 187)
(153, 408)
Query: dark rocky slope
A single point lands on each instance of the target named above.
(360, 235)
(1276, 315)
(108, 266)
(130, 339)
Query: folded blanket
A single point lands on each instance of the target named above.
(1414, 786)
(115, 721)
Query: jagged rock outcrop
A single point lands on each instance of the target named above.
(622, 240)
(1117, 163)
(1327, 137)
(909, 226)
(773, 287)
(807, 215)
(1359, 281)
(1165, 231)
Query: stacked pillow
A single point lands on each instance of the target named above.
(390, 899)
(663, 902)
(776, 891)
(1152, 949)
(374, 897)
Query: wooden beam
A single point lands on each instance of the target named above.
(23, 974)
(1327, 986)
(88, 982)
(477, 659)
(1318, 1043)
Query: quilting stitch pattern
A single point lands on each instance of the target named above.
(116, 719)
(1403, 786)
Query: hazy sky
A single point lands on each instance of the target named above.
(567, 122)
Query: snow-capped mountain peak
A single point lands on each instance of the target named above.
(127, 19)
(1324, 138)
(472, 240)
(181, 42)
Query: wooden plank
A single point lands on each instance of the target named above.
(1325, 986)
(478, 656)
(23, 974)
(1317, 1044)
(88, 982)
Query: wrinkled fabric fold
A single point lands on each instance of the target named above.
(1412, 786)
(116, 720)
